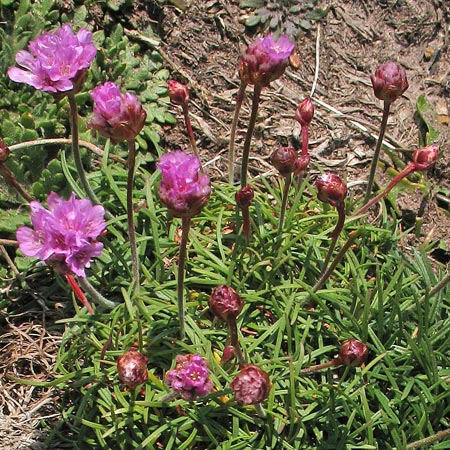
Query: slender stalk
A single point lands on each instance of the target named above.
(234, 342)
(185, 226)
(333, 363)
(287, 185)
(376, 155)
(130, 215)
(334, 235)
(248, 136)
(351, 239)
(79, 293)
(305, 139)
(237, 109)
(76, 149)
(429, 440)
(246, 223)
(189, 130)
(94, 294)
(260, 410)
(406, 171)
(12, 182)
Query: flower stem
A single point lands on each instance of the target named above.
(237, 109)
(333, 363)
(351, 239)
(95, 295)
(189, 130)
(406, 171)
(234, 342)
(11, 181)
(376, 155)
(79, 293)
(76, 149)
(429, 440)
(287, 185)
(334, 235)
(305, 139)
(130, 215)
(185, 226)
(248, 136)
(246, 223)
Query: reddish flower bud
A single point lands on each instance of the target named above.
(353, 353)
(331, 189)
(251, 385)
(389, 81)
(132, 368)
(4, 152)
(301, 164)
(225, 303)
(228, 354)
(244, 197)
(425, 158)
(305, 112)
(178, 93)
(284, 160)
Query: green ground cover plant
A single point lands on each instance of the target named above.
(300, 303)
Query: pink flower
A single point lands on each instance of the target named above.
(64, 236)
(117, 116)
(190, 378)
(132, 368)
(183, 189)
(56, 61)
(265, 60)
(389, 81)
(251, 385)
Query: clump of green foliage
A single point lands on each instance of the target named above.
(282, 16)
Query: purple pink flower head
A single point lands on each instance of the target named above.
(56, 61)
(225, 303)
(117, 116)
(184, 189)
(251, 385)
(190, 378)
(265, 60)
(132, 368)
(65, 235)
(389, 81)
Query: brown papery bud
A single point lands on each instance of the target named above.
(284, 160)
(389, 81)
(425, 158)
(244, 197)
(132, 368)
(305, 112)
(251, 385)
(225, 303)
(4, 152)
(353, 353)
(331, 189)
(178, 93)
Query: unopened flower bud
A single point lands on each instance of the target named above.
(305, 112)
(331, 189)
(225, 303)
(301, 164)
(251, 385)
(228, 354)
(353, 353)
(178, 93)
(284, 160)
(4, 152)
(389, 81)
(132, 368)
(244, 197)
(425, 158)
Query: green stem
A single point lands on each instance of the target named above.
(94, 294)
(248, 136)
(376, 155)
(287, 185)
(351, 239)
(185, 226)
(429, 440)
(237, 109)
(234, 342)
(334, 235)
(190, 132)
(76, 149)
(130, 215)
(406, 171)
